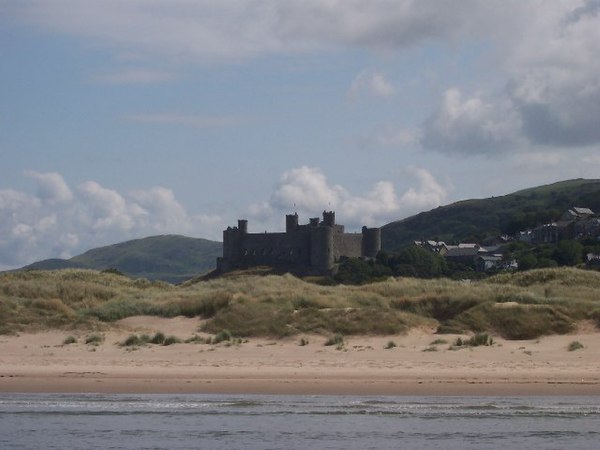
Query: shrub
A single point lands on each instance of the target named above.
(439, 341)
(337, 339)
(94, 339)
(133, 340)
(158, 338)
(480, 339)
(113, 271)
(474, 341)
(575, 345)
(69, 340)
(195, 339)
(303, 342)
(223, 335)
(170, 340)
(205, 306)
(390, 345)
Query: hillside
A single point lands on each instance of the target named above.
(168, 258)
(481, 218)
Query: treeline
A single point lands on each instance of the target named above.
(564, 253)
(417, 262)
(410, 261)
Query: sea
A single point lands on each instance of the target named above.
(184, 421)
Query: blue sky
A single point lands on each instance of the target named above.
(129, 118)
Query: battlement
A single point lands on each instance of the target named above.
(313, 248)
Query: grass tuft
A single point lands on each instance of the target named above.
(134, 340)
(221, 336)
(94, 339)
(158, 338)
(389, 345)
(170, 340)
(337, 340)
(70, 340)
(575, 345)
(480, 339)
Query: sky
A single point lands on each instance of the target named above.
(121, 119)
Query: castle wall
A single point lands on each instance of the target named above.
(347, 244)
(274, 249)
(314, 247)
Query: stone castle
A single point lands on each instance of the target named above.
(314, 248)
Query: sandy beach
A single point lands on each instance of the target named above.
(40, 362)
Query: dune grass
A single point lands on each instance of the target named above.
(515, 306)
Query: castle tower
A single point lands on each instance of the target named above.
(243, 226)
(291, 222)
(371, 242)
(329, 218)
(321, 248)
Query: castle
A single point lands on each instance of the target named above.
(313, 248)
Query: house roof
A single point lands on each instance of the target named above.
(454, 252)
(583, 211)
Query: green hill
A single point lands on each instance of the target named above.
(481, 218)
(168, 258)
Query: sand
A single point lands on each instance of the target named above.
(41, 363)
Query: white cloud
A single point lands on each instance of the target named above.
(51, 187)
(104, 208)
(208, 30)
(59, 222)
(372, 83)
(160, 206)
(429, 193)
(471, 125)
(551, 97)
(555, 76)
(307, 191)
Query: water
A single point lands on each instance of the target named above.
(94, 421)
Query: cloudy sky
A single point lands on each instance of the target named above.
(122, 119)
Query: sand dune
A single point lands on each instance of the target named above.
(41, 363)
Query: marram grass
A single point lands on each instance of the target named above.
(516, 306)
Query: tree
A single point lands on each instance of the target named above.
(568, 253)
(527, 261)
(414, 261)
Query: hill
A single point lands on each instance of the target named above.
(168, 258)
(481, 218)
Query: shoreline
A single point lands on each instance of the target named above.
(40, 363)
(103, 384)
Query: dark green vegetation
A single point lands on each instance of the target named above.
(410, 261)
(474, 220)
(168, 258)
(575, 345)
(135, 340)
(520, 305)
